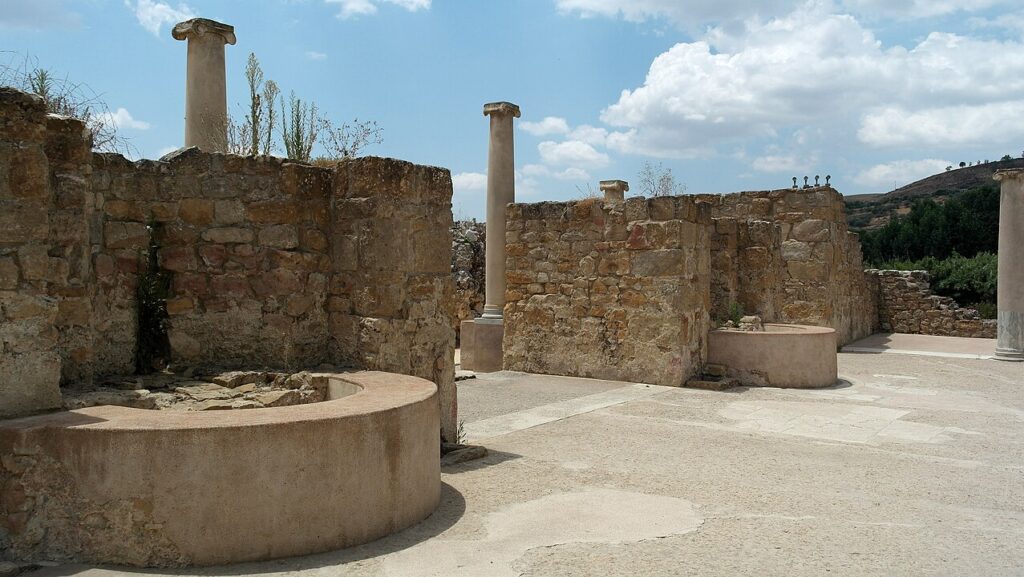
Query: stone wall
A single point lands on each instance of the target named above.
(907, 305)
(245, 242)
(747, 268)
(30, 357)
(614, 291)
(822, 281)
(468, 270)
(272, 264)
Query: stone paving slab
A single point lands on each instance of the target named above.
(912, 466)
(923, 345)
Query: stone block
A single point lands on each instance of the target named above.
(196, 211)
(228, 235)
(280, 236)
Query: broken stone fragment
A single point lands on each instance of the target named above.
(136, 399)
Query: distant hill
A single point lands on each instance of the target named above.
(870, 211)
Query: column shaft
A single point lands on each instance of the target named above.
(501, 189)
(1010, 288)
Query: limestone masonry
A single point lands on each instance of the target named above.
(608, 290)
(628, 290)
(907, 305)
(273, 264)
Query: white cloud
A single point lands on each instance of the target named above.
(810, 72)
(153, 15)
(121, 118)
(469, 181)
(781, 163)
(996, 123)
(350, 8)
(573, 153)
(550, 125)
(693, 14)
(591, 135)
(314, 55)
(540, 171)
(900, 172)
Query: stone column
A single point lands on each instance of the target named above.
(1010, 305)
(206, 100)
(501, 190)
(614, 190)
(482, 338)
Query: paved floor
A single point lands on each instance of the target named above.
(924, 345)
(914, 465)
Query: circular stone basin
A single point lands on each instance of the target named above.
(118, 485)
(785, 356)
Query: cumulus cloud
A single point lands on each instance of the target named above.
(572, 153)
(811, 70)
(781, 163)
(153, 15)
(900, 171)
(1001, 122)
(121, 118)
(469, 181)
(541, 171)
(693, 14)
(549, 125)
(350, 8)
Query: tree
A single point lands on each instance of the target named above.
(1006, 157)
(949, 168)
(659, 181)
(962, 164)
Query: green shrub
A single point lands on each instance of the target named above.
(965, 280)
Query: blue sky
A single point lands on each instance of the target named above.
(728, 94)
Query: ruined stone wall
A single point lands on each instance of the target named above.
(746, 268)
(244, 241)
(907, 305)
(468, 270)
(614, 291)
(822, 282)
(272, 263)
(30, 358)
(390, 295)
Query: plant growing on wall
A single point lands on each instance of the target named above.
(301, 126)
(66, 98)
(659, 181)
(153, 347)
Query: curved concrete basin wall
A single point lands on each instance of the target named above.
(160, 488)
(788, 356)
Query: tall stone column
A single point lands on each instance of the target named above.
(1010, 298)
(482, 338)
(501, 190)
(206, 100)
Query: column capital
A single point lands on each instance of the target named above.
(1009, 174)
(614, 186)
(201, 26)
(501, 108)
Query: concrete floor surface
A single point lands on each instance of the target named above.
(913, 465)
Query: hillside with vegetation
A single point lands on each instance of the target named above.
(871, 211)
(954, 240)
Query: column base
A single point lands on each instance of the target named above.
(482, 344)
(1009, 355)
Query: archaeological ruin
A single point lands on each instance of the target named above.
(177, 335)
